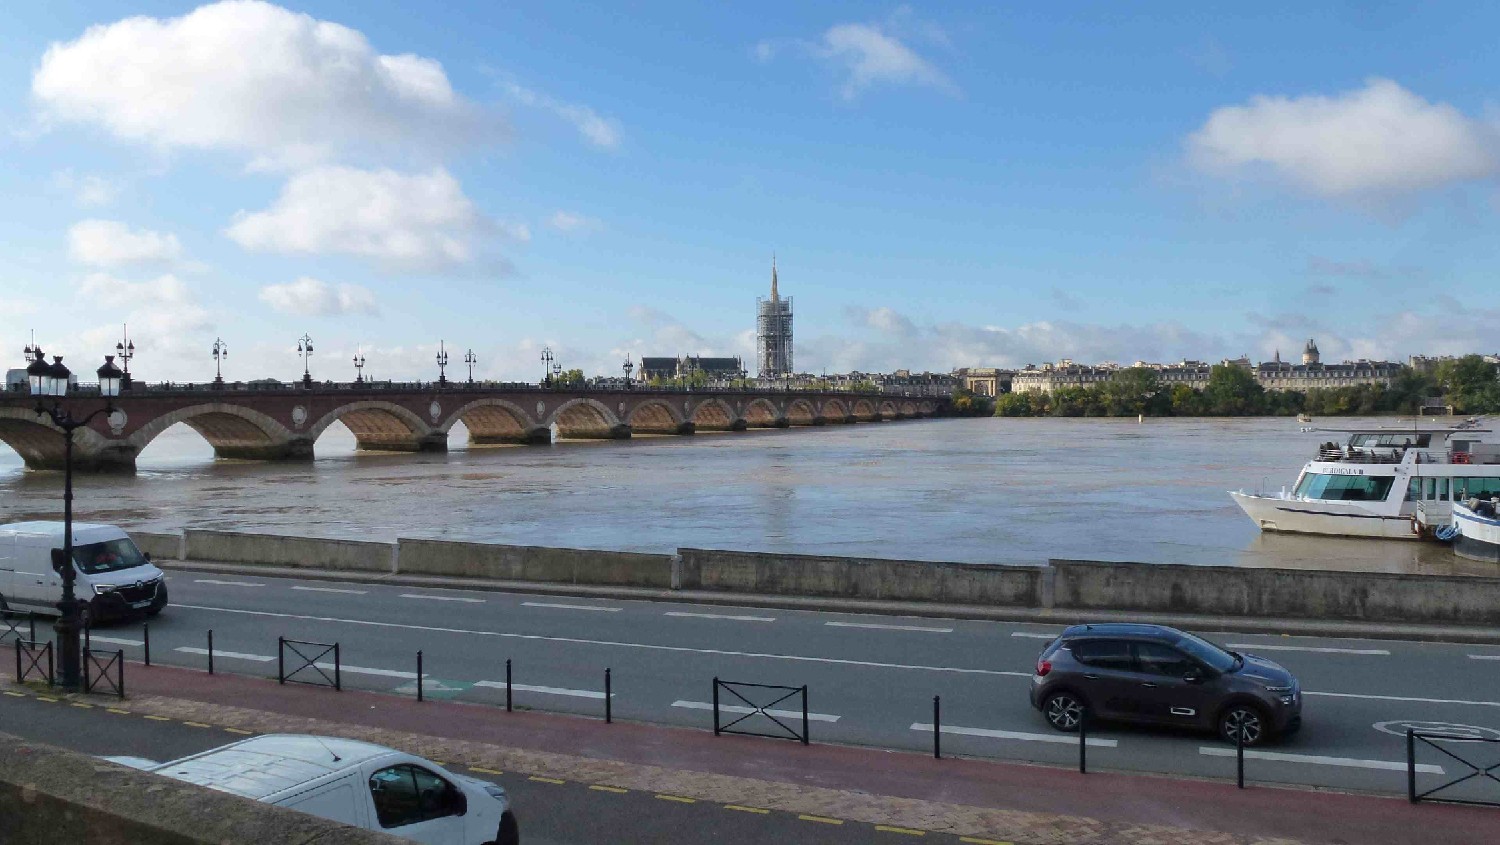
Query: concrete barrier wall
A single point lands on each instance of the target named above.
(1308, 594)
(863, 578)
(159, 546)
(49, 795)
(275, 550)
(533, 563)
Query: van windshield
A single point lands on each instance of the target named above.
(108, 556)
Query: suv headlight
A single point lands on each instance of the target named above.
(101, 589)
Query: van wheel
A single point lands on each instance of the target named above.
(1243, 720)
(1064, 711)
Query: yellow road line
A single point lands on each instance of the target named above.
(158, 718)
(46, 699)
(547, 780)
(81, 704)
(118, 710)
(679, 799)
(197, 725)
(885, 828)
(238, 731)
(15, 694)
(821, 819)
(742, 809)
(974, 840)
(601, 788)
(482, 770)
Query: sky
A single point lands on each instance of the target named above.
(941, 185)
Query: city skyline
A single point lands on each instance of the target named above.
(944, 188)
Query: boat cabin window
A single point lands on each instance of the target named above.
(1348, 488)
(1476, 487)
(1391, 441)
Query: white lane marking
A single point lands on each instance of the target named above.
(889, 627)
(226, 583)
(575, 693)
(441, 598)
(570, 606)
(1484, 657)
(114, 640)
(1404, 698)
(740, 708)
(1315, 649)
(614, 643)
(1020, 735)
(258, 658)
(720, 616)
(1033, 635)
(331, 590)
(1314, 759)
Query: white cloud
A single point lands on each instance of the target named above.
(88, 190)
(870, 55)
(110, 243)
(312, 297)
(164, 314)
(567, 221)
(600, 131)
(1378, 141)
(249, 76)
(415, 221)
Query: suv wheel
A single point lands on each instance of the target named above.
(1245, 720)
(1064, 711)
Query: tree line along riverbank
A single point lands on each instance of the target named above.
(1469, 384)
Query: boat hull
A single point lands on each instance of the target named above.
(1478, 538)
(1329, 518)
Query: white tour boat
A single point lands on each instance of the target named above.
(1372, 485)
(1478, 528)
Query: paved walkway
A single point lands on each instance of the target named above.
(983, 801)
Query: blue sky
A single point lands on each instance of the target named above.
(943, 185)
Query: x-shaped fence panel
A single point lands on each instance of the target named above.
(34, 660)
(1480, 772)
(12, 625)
(750, 709)
(306, 656)
(97, 666)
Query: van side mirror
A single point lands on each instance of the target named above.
(59, 560)
(147, 556)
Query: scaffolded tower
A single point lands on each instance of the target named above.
(773, 332)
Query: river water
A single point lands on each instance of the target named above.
(987, 490)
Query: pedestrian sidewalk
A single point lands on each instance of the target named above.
(987, 802)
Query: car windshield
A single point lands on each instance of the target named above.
(1207, 653)
(108, 556)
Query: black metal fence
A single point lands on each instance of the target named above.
(751, 709)
(306, 656)
(1478, 772)
(22, 626)
(97, 667)
(34, 661)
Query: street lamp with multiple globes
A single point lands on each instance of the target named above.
(547, 365)
(359, 368)
(442, 362)
(471, 361)
(220, 353)
(304, 348)
(51, 380)
(125, 350)
(627, 367)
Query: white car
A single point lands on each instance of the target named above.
(357, 783)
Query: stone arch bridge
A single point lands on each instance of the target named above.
(285, 423)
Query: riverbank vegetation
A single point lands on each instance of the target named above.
(1468, 384)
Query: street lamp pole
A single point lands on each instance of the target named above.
(359, 368)
(305, 349)
(220, 353)
(51, 380)
(471, 361)
(125, 350)
(627, 367)
(547, 365)
(442, 362)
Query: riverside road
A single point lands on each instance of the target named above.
(871, 678)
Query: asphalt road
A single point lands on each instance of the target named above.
(550, 813)
(871, 679)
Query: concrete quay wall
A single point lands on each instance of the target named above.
(277, 550)
(533, 563)
(49, 795)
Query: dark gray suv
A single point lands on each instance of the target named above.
(1158, 675)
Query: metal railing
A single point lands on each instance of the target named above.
(750, 709)
(29, 657)
(96, 672)
(12, 621)
(1477, 771)
(309, 653)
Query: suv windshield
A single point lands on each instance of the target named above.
(1209, 654)
(108, 556)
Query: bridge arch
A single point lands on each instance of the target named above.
(587, 419)
(834, 411)
(802, 412)
(927, 408)
(761, 413)
(493, 421)
(657, 416)
(909, 408)
(864, 411)
(383, 427)
(888, 410)
(714, 414)
(234, 432)
(41, 444)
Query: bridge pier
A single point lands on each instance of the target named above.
(291, 449)
(616, 432)
(539, 436)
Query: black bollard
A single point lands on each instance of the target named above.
(419, 675)
(1239, 756)
(507, 685)
(609, 717)
(1083, 742)
(210, 651)
(937, 726)
(146, 640)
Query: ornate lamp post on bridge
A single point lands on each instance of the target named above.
(125, 350)
(627, 367)
(557, 374)
(220, 353)
(442, 362)
(471, 361)
(547, 365)
(51, 380)
(359, 368)
(305, 349)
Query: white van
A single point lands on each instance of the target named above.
(114, 577)
(357, 783)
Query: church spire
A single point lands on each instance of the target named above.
(774, 296)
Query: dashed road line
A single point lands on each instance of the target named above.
(556, 606)
(737, 708)
(234, 655)
(240, 731)
(878, 627)
(196, 724)
(117, 711)
(115, 640)
(81, 704)
(599, 787)
(46, 699)
(482, 770)
(678, 798)
(1032, 635)
(331, 590)
(682, 613)
(1317, 760)
(226, 583)
(1402, 698)
(573, 693)
(466, 599)
(15, 694)
(740, 808)
(540, 779)
(974, 840)
(1308, 648)
(1022, 736)
(158, 718)
(908, 831)
(1484, 657)
(820, 819)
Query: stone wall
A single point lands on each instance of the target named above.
(533, 563)
(159, 546)
(276, 550)
(49, 795)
